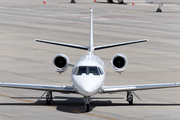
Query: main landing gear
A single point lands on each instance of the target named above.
(159, 9)
(49, 97)
(119, 1)
(129, 97)
(87, 100)
(110, 1)
(72, 1)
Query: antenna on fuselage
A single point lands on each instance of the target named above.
(91, 45)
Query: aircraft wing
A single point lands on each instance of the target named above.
(64, 89)
(110, 89)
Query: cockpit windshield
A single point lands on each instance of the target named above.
(93, 70)
(81, 70)
(88, 70)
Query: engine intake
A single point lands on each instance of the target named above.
(119, 62)
(61, 62)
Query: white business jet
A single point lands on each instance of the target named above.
(88, 73)
(161, 2)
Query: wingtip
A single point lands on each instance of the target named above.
(91, 10)
(36, 40)
(145, 40)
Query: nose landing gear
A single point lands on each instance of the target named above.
(87, 100)
(87, 107)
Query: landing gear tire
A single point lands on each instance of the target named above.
(110, 1)
(72, 1)
(48, 98)
(159, 10)
(87, 107)
(129, 98)
(87, 100)
(120, 1)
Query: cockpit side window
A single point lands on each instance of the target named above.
(100, 71)
(75, 71)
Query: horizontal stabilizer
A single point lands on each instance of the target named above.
(95, 48)
(119, 44)
(62, 44)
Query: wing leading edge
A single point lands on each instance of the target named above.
(65, 89)
(109, 89)
(105, 89)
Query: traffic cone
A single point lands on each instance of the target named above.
(94, 0)
(44, 2)
(133, 3)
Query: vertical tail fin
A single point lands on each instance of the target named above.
(91, 44)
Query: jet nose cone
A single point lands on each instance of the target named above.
(88, 89)
(87, 85)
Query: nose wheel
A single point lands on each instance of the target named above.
(87, 100)
(49, 97)
(87, 107)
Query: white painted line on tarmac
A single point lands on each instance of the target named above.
(49, 19)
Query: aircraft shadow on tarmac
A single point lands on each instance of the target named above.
(76, 104)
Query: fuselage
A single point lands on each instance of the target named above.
(88, 75)
(164, 1)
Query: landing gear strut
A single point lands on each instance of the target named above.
(87, 100)
(48, 97)
(129, 97)
(159, 9)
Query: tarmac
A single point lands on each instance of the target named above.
(22, 60)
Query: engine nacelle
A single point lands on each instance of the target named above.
(61, 62)
(119, 63)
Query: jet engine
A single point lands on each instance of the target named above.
(61, 62)
(119, 62)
